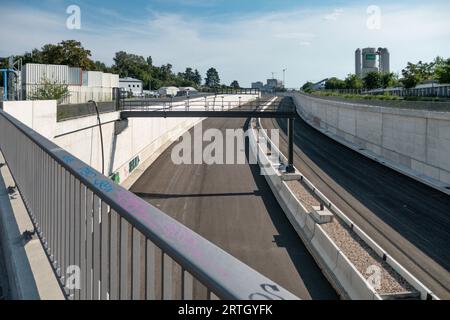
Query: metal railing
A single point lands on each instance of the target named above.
(122, 247)
(442, 91)
(250, 91)
(209, 103)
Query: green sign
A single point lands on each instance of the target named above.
(116, 178)
(371, 56)
(133, 164)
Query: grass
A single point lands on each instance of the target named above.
(384, 97)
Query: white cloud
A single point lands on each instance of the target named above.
(333, 16)
(247, 48)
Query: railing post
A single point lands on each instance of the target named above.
(290, 167)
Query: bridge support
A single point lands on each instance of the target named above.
(290, 165)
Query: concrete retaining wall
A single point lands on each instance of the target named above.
(414, 142)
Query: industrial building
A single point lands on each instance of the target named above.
(168, 91)
(134, 86)
(270, 86)
(371, 59)
(187, 91)
(82, 85)
(258, 85)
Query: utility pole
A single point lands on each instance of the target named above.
(284, 78)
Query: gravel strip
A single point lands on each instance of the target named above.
(301, 190)
(363, 257)
(354, 248)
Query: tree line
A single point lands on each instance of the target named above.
(73, 54)
(412, 75)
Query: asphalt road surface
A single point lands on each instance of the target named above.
(3, 279)
(233, 207)
(410, 220)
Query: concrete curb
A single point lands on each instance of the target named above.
(341, 273)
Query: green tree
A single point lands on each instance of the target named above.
(335, 83)
(372, 80)
(411, 76)
(212, 79)
(197, 78)
(442, 71)
(353, 82)
(235, 85)
(307, 86)
(100, 66)
(50, 91)
(389, 79)
(68, 52)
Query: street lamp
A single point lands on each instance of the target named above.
(284, 78)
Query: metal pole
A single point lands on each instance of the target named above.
(290, 166)
(5, 85)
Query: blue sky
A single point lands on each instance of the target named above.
(245, 40)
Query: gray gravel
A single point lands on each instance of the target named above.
(354, 248)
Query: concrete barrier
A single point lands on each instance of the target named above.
(346, 279)
(413, 142)
(339, 271)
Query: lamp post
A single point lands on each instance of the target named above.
(284, 77)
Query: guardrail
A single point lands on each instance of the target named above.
(437, 90)
(120, 246)
(207, 103)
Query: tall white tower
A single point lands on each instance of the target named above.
(384, 60)
(358, 62)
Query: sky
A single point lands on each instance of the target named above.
(245, 40)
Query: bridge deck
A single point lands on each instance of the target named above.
(232, 206)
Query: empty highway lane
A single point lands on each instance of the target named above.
(233, 207)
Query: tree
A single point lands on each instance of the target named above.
(388, 79)
(335, 83)
(212, 79)
(372, 80)
(235, 85)
(442, 71)
(50, 91)
(100, 66)
(307, 86)
(197, 78)
(411, 76)
(353, 82)
(68, 52)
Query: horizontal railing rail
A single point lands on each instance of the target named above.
(106, 243)
(205, 104)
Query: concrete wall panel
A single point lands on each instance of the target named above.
(416, 142)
